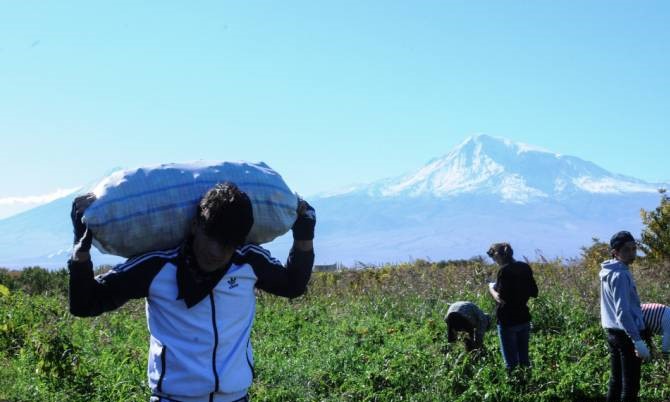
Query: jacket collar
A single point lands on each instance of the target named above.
(193, 284)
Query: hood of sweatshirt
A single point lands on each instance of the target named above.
(610, 266)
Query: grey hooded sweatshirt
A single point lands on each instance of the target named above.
(619, 302)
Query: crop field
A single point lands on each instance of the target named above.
(376, 334)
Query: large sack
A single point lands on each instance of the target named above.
(149, 209)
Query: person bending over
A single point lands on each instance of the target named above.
(465, 316)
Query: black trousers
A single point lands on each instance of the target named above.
(624, 382)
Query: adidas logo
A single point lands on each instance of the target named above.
(232, 282)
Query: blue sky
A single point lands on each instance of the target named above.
(327, 93)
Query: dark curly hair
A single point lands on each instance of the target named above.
(225, 214)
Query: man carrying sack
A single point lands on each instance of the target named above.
(200, 295)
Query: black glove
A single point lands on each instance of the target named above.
(303, 228)
(82, 236)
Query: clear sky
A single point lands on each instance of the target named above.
(329, 93)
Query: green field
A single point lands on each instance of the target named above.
(370, 335)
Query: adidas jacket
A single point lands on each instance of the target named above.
(199, 327)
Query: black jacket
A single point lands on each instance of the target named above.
(515, 285)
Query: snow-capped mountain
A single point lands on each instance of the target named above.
(485, 190)
(515, 172)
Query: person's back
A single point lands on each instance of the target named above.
(465, 316)
(516, 285)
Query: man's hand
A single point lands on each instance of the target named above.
(642, 351)
(82, 236)
(303, 228)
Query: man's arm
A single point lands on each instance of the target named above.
(620, 291)
(91, 296)
(292, 280)
(620, 285)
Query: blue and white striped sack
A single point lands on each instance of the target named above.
(151, 208)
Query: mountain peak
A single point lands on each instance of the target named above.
(513, 171)
(496, 145)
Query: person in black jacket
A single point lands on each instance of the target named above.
(200, 296)
(513, 287)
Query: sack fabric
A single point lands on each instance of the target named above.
(151, 208)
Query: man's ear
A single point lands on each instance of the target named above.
(614, 253)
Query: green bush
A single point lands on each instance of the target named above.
(655, 239)
(8, 278)
(596, 253)
(36, 280)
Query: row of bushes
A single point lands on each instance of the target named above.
(38, 281)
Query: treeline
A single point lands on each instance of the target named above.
(37, 280)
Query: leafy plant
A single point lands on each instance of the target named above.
(655, 238)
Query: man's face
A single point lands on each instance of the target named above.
(626, 253)
(210, 253)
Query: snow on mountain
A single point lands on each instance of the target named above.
(516, 172)
(487, 189)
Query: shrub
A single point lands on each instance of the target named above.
(597, 252)
(655, 238)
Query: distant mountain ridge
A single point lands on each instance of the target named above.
(486, 189)
(516, 172)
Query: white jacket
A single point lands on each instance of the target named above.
(200, 326)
